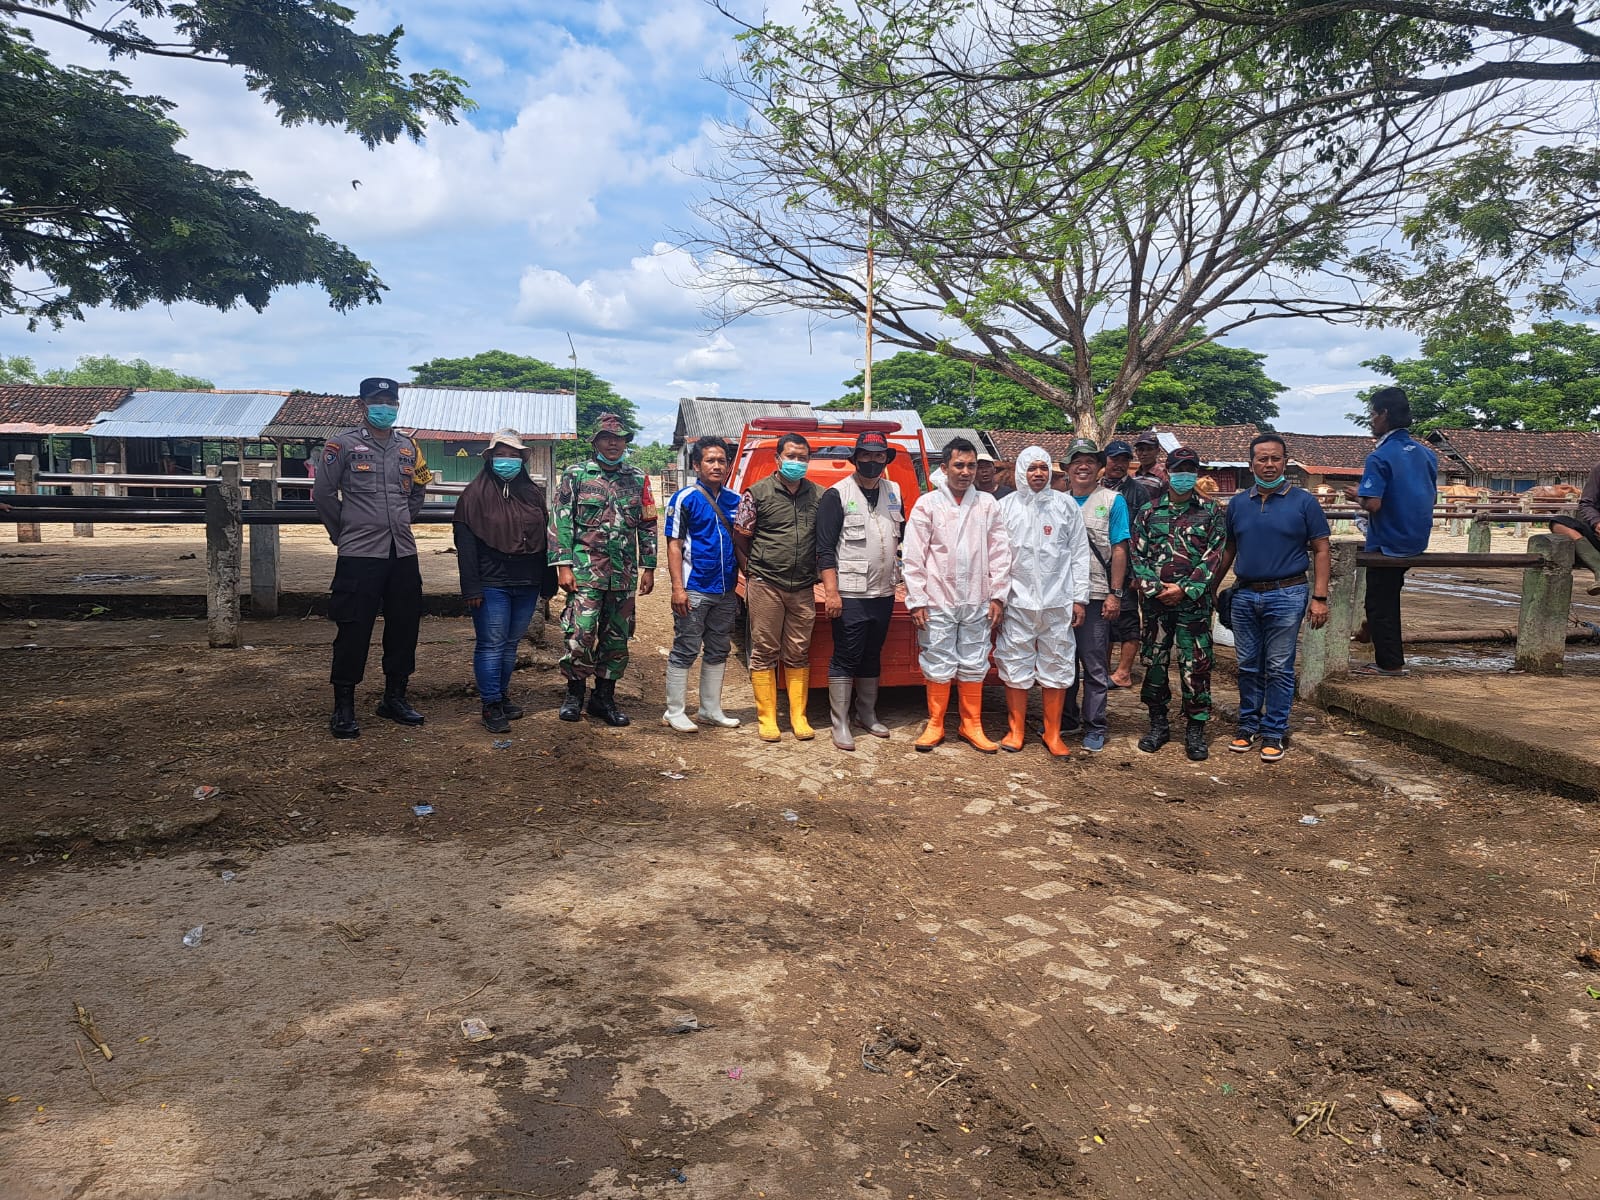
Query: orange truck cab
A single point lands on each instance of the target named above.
(831, 447)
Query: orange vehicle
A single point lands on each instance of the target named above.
(831, 446)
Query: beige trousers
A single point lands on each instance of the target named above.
(780, 625)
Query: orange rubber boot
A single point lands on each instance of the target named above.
(1017, 714)
(1055, 699)
(938, 705)
(970, 730)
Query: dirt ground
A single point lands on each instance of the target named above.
(947, 975)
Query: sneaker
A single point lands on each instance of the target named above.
(1271, 749)
(1094, 742)
(1375, 669)
(1242, 742)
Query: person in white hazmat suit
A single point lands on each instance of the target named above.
(1049, 598)
(956, 562)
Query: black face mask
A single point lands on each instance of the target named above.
(871, 469)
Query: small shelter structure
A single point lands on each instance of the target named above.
(724, 417)
(184, 432)
(52, 423)
(1515, 460)
(453, 426)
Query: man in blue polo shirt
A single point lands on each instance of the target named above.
(1399, 488)
(1275, 532)
(704, 570)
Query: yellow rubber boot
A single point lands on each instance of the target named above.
(798, 681)
(1017, 719)
(970, 729)
(765, 685)
(938, 705)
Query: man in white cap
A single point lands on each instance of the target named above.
(957, 567)
(1048, 600)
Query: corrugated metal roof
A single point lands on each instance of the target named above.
(939, 438)
(154, 414)
(476, 412)
(726, 416)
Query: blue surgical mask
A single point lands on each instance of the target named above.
(506, 468)
(608, 460)
(1268, 487)
(1183, 481)
(792, 469)
(382, 416)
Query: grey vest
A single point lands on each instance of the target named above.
(1096, 513)
(869, 540)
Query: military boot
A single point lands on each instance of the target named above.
(343, 722)
(572, 705)
(603, 704)
(394, 706)
(494, 717)
(1160, 731)
(1194, 741)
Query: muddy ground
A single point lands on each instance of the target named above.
(948, 976)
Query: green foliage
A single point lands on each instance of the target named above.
(1206, 385)
(652, 459)
(99, 207)
(100, 370)
(1546, 378)
(499, 369)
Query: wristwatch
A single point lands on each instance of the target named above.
(1320, 599)
(1119, 593)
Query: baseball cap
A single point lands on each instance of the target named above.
(1084, 446)
(873, 439)
(985, 456)
(611, 423)
(1117, 447)
(1180, 456)
(379, 385)
(1147, 438)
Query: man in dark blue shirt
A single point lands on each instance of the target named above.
(1275, 533)
(1399, 488)
(704, 567)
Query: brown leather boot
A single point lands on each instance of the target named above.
(1054, 700)
(938, 705)
(970, 730)
(1017, 716)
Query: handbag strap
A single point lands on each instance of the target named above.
(715, 507)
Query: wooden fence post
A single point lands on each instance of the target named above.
(224, 540)
(1480, 534)
(263, 553)
(110, 489)
(1326, 651)
(80, 466)
(27, 484)
(1546, 606)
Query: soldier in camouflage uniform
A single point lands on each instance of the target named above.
(605, 521)
(1178, 541)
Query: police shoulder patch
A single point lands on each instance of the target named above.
(330, 453)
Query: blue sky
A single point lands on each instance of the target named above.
(551, 210)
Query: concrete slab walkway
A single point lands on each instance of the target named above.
(1544, 726)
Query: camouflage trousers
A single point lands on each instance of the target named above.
(1189, 626)
(596, 625)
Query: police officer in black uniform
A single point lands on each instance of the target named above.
(369, 488)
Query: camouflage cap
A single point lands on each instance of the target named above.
(1180, 455)
(1083, 446)
(611, 423)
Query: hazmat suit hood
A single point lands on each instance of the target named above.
(1032, 454)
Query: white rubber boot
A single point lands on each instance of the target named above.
(677, 684)
(710, 710)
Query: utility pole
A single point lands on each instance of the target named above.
(867, 381)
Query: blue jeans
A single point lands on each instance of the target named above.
(500, 621)
(1266, 634)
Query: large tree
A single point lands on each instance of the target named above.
(1209, 385)
(1545, 378)
(100, 370)
(99, 207)
(1014, 216)
(501, 369)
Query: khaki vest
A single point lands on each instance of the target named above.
(1096, 513)
(870, 539)
(784, 549)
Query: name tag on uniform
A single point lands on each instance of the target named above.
(361, 466)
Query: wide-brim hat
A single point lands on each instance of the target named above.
(611, 423)
(1084, 446)
(873, 439)
(507, 438)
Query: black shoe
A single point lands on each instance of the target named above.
(572, 705)
(395, 707)
(343, 722)
(494, 717)
(1160, 732)
(1194, 741)
(603, 704)
(513, 711)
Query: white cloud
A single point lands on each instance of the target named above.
(652, 295)
(719, 354)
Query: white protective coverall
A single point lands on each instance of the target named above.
(955, 560)
(1049, 574)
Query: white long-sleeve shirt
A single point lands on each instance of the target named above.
(954, 554)
(1049, 543)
